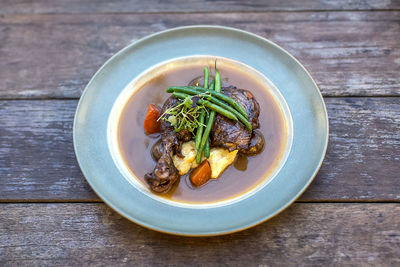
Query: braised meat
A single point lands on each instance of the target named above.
(157, 150)
(165, 174)
(231, 134)
(256, 144)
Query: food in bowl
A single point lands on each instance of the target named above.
(202, 134)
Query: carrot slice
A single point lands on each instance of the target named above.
(151, 125)
(201, 174)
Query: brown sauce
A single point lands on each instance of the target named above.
(238, 178)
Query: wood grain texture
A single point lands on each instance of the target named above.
(37, 160)
(305, 234)
(137, 6)
(348, 53)
(363, 154)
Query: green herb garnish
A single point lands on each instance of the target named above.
(185, 115)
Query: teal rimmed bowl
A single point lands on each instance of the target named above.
(304, 157)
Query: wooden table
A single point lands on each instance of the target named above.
(50, 216)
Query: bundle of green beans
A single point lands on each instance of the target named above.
(216, 102)
(199, 133)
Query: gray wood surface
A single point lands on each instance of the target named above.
(149, 6)
(348, 53)
(37, 160)
(305, 234)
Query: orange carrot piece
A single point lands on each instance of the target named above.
(201, 174)
(151, 125)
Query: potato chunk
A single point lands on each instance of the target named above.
(219, 159)
(188, 161)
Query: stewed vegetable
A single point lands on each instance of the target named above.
(151, 123)
(201, 174)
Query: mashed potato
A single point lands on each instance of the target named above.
(188, 161)
(219, 159)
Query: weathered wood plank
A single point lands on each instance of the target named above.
(137, 6)
(304, 234)
(37, 160)
(363, 154)
(348, 53)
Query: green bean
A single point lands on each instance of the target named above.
(180, 95)
(207, 149)
(244, 121)
(217, 81)
(241, 118)
(210, 105)
(207, 146)
(195, 90)
(218, 109)
(206, 74)
(205, 136)
(211, 85)
(199, 131)
(228, 107)
(199, 156)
